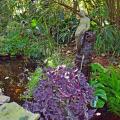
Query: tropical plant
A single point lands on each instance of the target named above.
(99, 93)
(65, 94)
(110, 78)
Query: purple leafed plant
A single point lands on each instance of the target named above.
(64, 95)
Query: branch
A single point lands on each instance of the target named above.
(68, 7)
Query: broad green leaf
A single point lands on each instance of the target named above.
(100, 103)
(101, 93)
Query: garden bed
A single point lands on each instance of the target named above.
(14, 73)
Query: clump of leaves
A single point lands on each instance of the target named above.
(34, 79)
(32, 83)
(65, 30)
(110, 78)
(14, 44)
(107, 40)
(99, 93)
(65, 94)
(57, 59)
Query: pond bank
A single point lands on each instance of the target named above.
(14, 73)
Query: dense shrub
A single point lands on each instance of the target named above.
(20, 39)
(64, 95)
(107, 40)
(14, 44)
(64, 32)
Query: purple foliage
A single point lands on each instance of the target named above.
(64, 95)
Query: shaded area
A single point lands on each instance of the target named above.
(105, 115)
(14, 74)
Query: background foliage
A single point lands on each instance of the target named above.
(47, 24)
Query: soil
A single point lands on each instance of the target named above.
(105, 115)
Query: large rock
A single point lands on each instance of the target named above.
(13, 111)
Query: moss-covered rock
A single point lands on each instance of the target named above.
(13, 111)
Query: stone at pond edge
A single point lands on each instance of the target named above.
(13, 111)
(4, 99)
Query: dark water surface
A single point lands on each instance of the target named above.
(14, 75)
